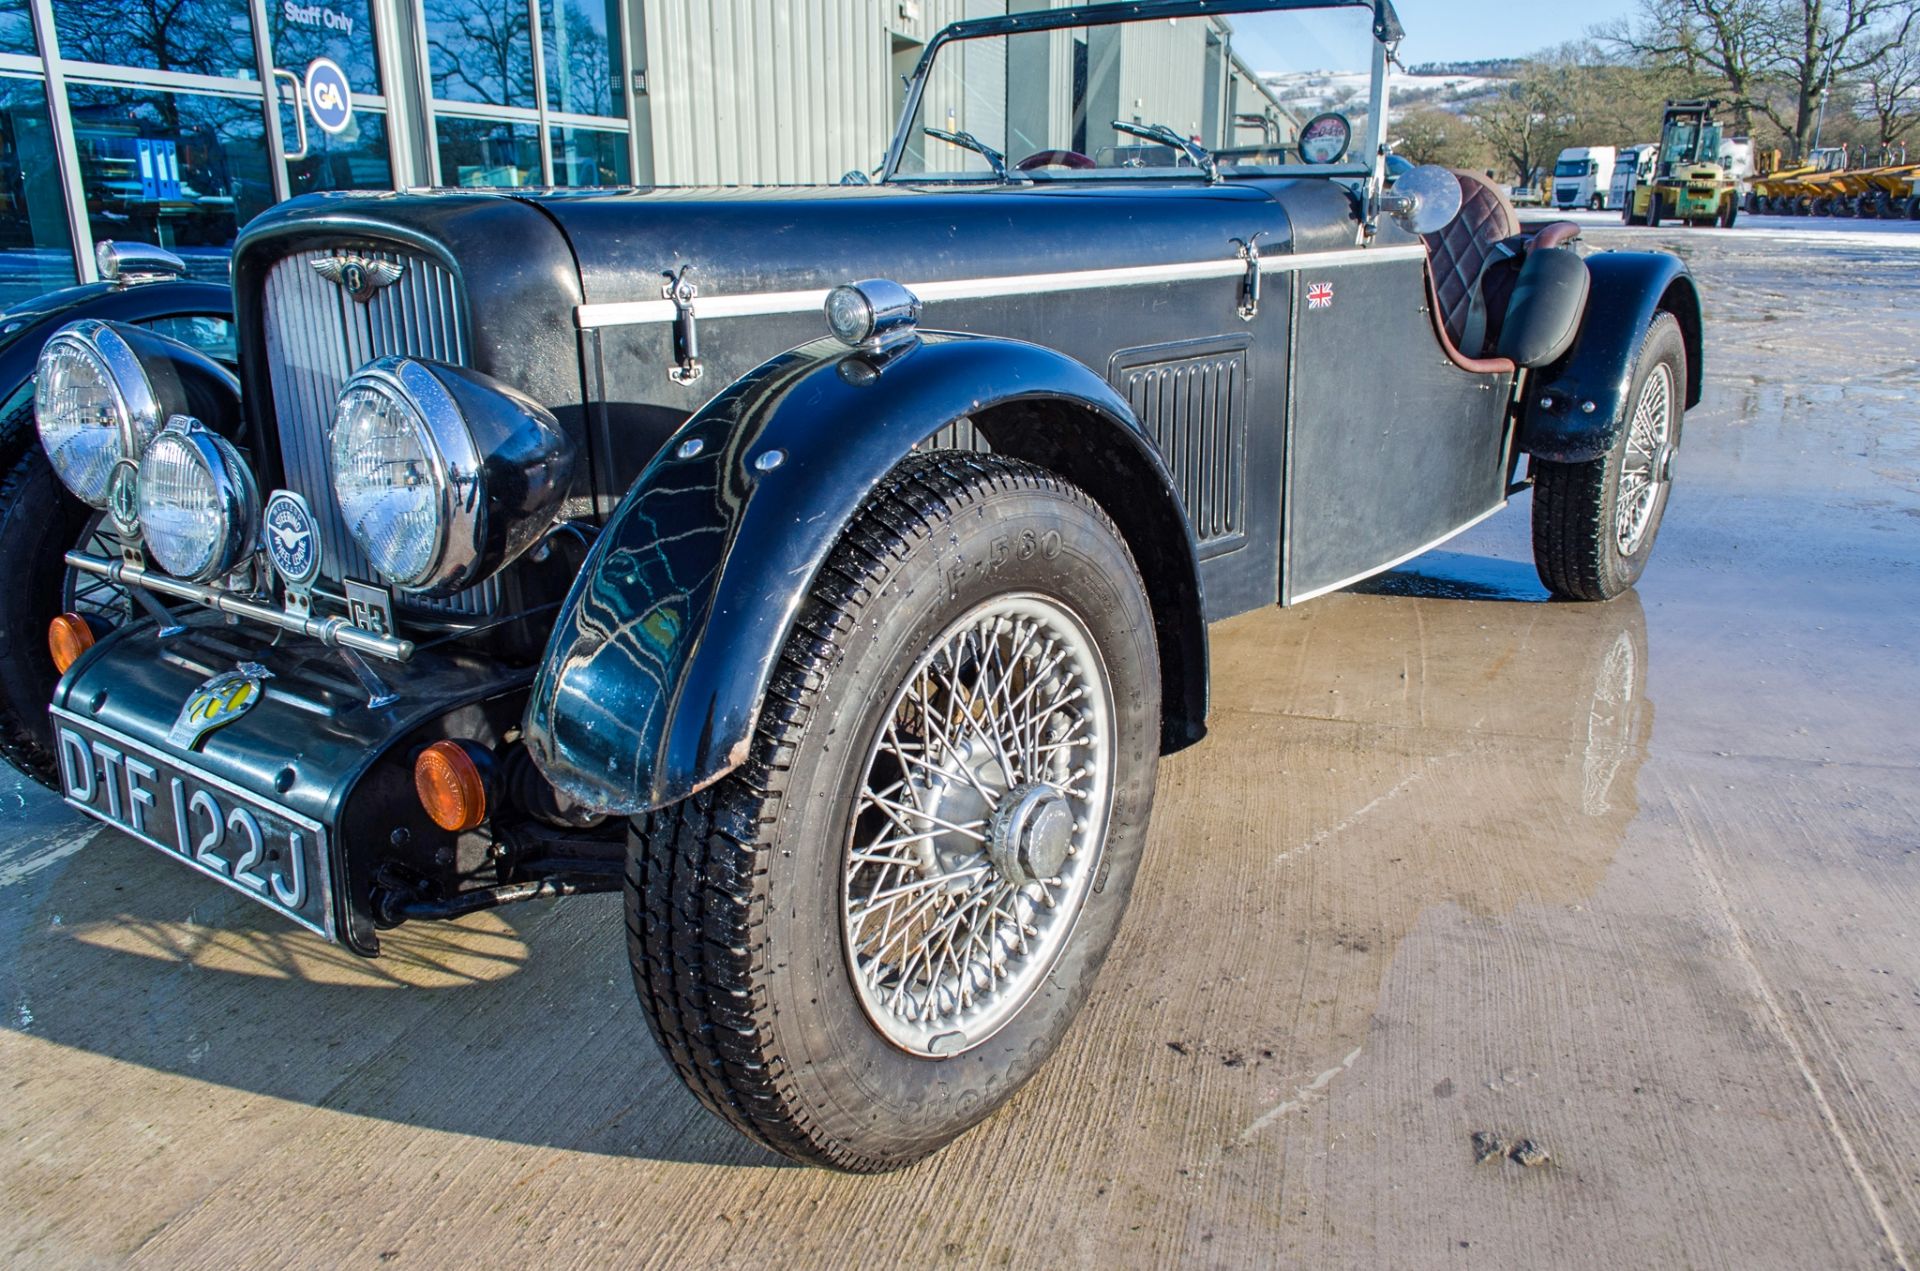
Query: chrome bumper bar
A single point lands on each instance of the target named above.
(334, 632)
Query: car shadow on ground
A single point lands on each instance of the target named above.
(520, 1025)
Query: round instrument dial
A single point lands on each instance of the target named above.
(1326, 138)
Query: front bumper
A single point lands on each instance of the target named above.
(313, 746)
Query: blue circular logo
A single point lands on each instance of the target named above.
(329, 96)
(292, 538)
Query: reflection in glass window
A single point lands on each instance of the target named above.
(589, 156)
(213, 336)
(482, 152)
(480, 51)
(204, 37)
(183, 170)
(356, 159)
(338, 29)
(583, 61)
(36, 252)
(16, 28)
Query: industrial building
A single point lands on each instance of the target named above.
(176, 122)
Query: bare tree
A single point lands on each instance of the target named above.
(1428, 134)
(1724, 41)
(1893, 94)
(1522, 123)
(1813, 43)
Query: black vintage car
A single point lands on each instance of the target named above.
(827, 568)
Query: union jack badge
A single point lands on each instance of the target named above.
(1320, 296)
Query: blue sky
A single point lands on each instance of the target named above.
(1461, 30)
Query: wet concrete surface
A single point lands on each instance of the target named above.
(1635, 883)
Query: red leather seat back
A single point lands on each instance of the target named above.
(1459, 251)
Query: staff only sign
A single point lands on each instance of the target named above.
(329, 97)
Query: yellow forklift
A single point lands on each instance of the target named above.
(1690, 182)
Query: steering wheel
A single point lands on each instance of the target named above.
(1055, 159)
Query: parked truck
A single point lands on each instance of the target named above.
(1583, 177)
(1632, 166)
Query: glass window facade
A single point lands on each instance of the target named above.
(16, 28)
(184, 120)
(488, 153)
(36, 249)
(183, 170)
(202, 37)
(480, 51)
(590, 156)
(583, 63)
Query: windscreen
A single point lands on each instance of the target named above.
(1261, 92)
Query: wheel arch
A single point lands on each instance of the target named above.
(653, 678)
(1574, 408)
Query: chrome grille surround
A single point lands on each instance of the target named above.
(317, 336)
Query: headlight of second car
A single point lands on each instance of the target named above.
(443, 475)
(90, 394)
(199, 505)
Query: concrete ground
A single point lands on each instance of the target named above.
(1635, 882)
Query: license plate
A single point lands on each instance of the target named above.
(270, 853)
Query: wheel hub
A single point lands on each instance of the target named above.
(1031, 835)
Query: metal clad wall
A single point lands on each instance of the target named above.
(792, 93)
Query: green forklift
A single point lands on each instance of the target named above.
(1691, 182)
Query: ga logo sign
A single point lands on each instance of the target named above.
(329, 97)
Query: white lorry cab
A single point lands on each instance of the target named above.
(1583, 177)
(1633, 165)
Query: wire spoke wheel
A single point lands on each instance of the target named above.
(978, 830)
(1644, 470)
(90, 594)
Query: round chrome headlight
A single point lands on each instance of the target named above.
(93, 404)
(443, 475)
(199, 505)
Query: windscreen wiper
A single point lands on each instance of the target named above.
(967, 141)
(1201, 156)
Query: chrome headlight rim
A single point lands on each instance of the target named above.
(455, 470)
(138, 417)
(234, 487)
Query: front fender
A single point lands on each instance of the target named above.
(652, 681)
(1574, 408)
(38, 319)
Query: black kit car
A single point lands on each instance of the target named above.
(551, 542)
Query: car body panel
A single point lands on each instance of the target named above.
(1628, 290)
(141, 303)
(655, 673)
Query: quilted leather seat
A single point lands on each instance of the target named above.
(1459, 252)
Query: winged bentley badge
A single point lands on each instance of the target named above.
(359, 276)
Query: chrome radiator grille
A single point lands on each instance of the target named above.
(317, 335)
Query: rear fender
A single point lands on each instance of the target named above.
(653, 678)
(1575, 408)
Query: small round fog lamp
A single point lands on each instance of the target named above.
(874, 315)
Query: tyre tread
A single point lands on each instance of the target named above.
(697, 869)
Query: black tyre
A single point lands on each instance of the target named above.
(1594, 523)
(866, 938)
(39, 524)
(1653, 211)
(1731, 215)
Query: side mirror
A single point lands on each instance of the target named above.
(1424, 200)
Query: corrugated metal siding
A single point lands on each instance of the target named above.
(800, 92)
(317, 335)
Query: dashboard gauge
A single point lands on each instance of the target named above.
(1325, 138)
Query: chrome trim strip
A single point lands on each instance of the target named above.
(1397, 561)
(335, 632)
(622, 313)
